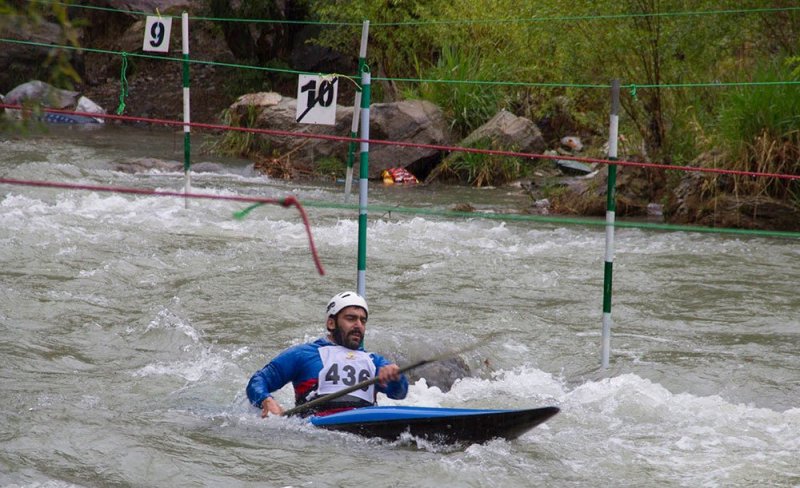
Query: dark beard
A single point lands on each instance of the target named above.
(339, 339)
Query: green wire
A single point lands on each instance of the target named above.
(633, 87)
(513, 20)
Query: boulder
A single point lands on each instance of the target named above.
(410, 121)
(504, 132)
(44, 93)
(441, 374)
(508, 132)
(52, 97)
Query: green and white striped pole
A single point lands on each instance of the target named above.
(611, 207)
(187, 158)
(351, 153)
(362, 184)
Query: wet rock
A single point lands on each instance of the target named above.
(462, 207)
(208, 167)
(141, 165)
(539, 207)
(441, 374)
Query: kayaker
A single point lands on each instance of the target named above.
(329, 364)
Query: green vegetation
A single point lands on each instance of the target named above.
(240, 143)
(481, 169)
(550, 61)
(466, 105)
(759, 130)
(668, 53)
(330, 167)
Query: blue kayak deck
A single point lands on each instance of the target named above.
(445, 425)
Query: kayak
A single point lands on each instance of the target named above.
(442, 425)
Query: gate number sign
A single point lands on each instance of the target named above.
(316, 100)
(156, 34)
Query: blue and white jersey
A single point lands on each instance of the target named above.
(320, 368)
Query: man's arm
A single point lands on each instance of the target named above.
(390, 381)
(271, 377)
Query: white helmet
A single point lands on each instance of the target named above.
(345, 299)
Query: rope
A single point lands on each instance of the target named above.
(285, 202)
(123, 84)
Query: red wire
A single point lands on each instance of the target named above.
(422, 146)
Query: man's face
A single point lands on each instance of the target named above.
(347, 328)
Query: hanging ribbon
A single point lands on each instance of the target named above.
(123, 84)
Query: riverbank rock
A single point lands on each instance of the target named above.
(21, 62)
(415, 122)
(39, 93)
(701, 199)
(503, 132)
(508, 132)
(638, 192)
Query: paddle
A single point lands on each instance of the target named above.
(372, 381)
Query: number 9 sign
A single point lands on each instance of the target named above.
(316, 100)
(156, 34)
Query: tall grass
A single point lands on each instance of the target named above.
(480, 169)
(240, 143)
(467, 105)
(759, 130)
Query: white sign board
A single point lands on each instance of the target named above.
(156, 34)
(316, 99)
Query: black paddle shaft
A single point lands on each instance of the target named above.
(372, 381)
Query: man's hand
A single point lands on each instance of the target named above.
(270, 406)
(390, 372)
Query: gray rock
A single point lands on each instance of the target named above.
(40, 91)
(508, 132)
(410, 121)
(441, 374)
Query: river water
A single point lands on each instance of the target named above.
(131, 325)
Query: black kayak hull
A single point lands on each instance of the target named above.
(441, 425)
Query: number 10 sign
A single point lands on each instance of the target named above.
(316, 99)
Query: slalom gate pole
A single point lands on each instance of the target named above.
(362, 184)
(611, 206)
(187, 152)
(351, 153)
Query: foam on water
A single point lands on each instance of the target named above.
(134, 323)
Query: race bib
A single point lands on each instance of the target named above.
(343, 367)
